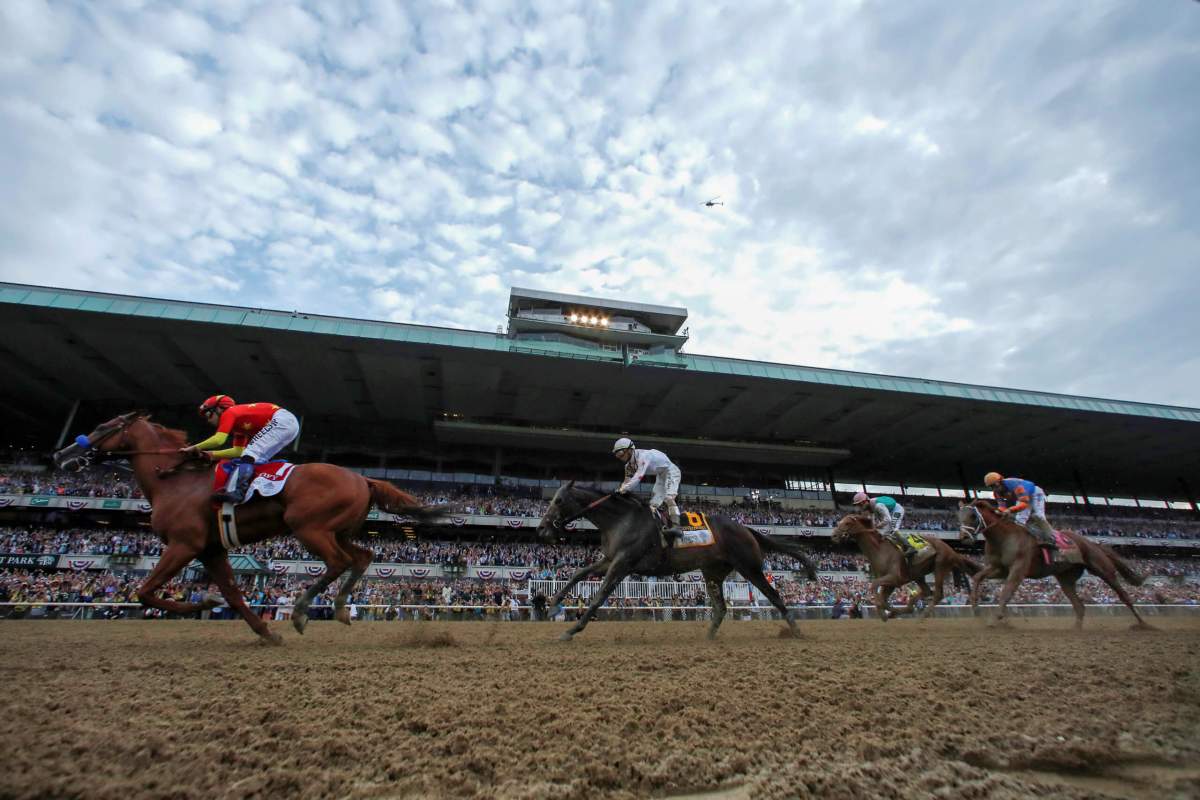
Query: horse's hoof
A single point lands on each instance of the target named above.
(270, 638)
(566, 637)
(299, 621)
(342, 615)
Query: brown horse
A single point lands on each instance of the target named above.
(322, 505)
(892, 570)
(1011, 552)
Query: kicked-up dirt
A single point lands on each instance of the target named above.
(854, 709)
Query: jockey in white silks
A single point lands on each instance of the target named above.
(642, 462)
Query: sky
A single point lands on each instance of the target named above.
(984, 192)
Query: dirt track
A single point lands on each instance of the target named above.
(854, 709)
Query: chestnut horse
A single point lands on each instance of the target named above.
(1011, 552)
(322, 505)
(892, 570)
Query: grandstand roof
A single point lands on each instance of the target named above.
(368, 377)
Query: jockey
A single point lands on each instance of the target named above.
(666, 479)
(887, 515)
(1026, 501)
(252, 433)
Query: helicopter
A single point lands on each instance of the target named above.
(716, 201)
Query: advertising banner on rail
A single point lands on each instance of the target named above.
(28, 561)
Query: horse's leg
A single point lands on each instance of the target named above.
(716, 595)
(323, 545)
(977, 582)
(1109, 576)
(360, 559)
(1066, 581)
(217, 564)
(174, 558)
(885, 585)
(760, 582)
(1016, 574)
(922, 594)
(617, 571)
(591, 569)
(940, 573)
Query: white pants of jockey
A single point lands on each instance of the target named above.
(666, 488)
(280, 431)
(890, 525)
(1033, 517)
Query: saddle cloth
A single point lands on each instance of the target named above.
(269, 478)
(1067, 551)
(694, 531)
(916, 542)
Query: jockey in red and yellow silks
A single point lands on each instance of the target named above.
(252, 433)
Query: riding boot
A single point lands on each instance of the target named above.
(1043, 533)
(241, 474)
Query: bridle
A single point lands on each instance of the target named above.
(979, 528)
(91, 454)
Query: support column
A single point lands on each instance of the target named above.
(832, 487)
(1187, 492)
(962, 478)
(1087, 501)
(497, 463)
(62, 437)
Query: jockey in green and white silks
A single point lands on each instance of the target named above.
(887, 515)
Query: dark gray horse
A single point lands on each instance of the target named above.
(629, 539)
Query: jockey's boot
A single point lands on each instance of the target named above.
(240, 478)
(669, 536)
(1044, 535)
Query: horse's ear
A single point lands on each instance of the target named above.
(570, 483)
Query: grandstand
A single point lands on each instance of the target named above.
(492, 422)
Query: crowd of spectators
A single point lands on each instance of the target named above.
(89, 483)
(511, 501)
(547, 560)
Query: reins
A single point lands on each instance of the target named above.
(568, 520)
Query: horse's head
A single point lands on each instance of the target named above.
(109, 437)
(973, 519)
(562, 506)
(850, 526)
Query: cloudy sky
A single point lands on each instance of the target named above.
(986, 192)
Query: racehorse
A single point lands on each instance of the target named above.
(629, 540)
(1011, 552)
(323, 505)
(892, 570)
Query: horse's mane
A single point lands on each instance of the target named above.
(179, 436)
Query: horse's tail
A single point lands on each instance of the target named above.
(396, 501)
(779, 545)
(1127, 572)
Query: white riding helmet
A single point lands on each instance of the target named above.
(624, 443)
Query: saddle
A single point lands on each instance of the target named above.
(269, 477)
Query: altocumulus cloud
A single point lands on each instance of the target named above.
(983, 192)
